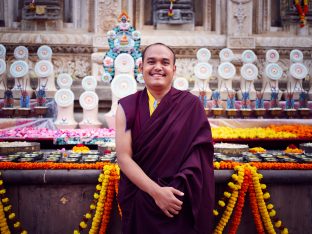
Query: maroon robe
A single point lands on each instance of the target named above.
(174, 148)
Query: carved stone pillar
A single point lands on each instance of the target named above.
(240, 17)
(106, 14)
(240, 21)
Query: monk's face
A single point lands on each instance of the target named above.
(158, 67)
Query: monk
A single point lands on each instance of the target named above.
(165, 153)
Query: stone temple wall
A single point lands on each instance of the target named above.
(78, 36)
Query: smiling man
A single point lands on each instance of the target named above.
(165, 153)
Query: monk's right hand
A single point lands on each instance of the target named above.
(165, 198)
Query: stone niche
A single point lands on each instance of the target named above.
(42, 15)
(183, 17)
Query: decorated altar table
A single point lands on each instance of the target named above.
(54, 201)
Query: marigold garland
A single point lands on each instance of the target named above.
(6, 212)
(240, 203)
(302, 12)
(246, 180)
(108, 204)
(255, 209)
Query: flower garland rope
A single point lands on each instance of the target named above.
(302, 12)
(247, 179)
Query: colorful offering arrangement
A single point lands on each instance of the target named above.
(270, 132)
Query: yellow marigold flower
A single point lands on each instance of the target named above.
(107, 172)
(24, 232)
(263, 186)
(272, 213)
(5, 200)
(12, 216)
(92, 207)
(96, 195)
(221, 203)
(1, 182)
(7, 208)
(285, 231)
(266, 195)
(83, 225)
(2, 191)
(270, 206)
(215, 213)
(216, 165)
(98, 187)
(278, 223)
(227, 194)
(234, 177)
(231, 185)
(76, 232)
(88, 216)
(17, 224)
(260, 176)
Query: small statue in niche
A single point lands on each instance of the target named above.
(216, 99)
(274, 98)
(290, 102)
(230, 101)
(8, 99)
(259, 100)
(41, 97)
(245, 100)
(303, 99)
(203, 98)
(24, 99)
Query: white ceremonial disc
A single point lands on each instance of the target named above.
(124, 63)
(64, 97)
(2, 66)
(203, 55)
(203, 70)
(249, 71)
(89, 83)
(248, 56)
(273, 71)
(226, 70)
(88, 100)
(181, 83)
(272, 56)
(136, 35)
(44, 68)
(44, 52)
(296, 56)
(19, 69)
(2, 51)
(226, 55)
(123, 85)
(21, 52)
(106, 77)
(64, 81)
(298, 71)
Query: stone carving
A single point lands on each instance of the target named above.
(107, 12)
(182, 12)
(76, 66)
(41, 10)
(241, 19)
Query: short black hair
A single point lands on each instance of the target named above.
(158, 43)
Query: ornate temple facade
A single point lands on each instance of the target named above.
(76, 31)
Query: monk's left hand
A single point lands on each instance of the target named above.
(165, 198)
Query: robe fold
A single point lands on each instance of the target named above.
(174, 148)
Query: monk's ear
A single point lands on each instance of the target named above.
(174, 69)
(141, 67)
